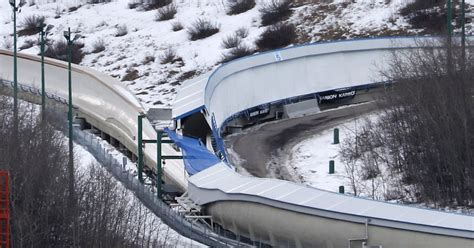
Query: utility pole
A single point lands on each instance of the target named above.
(67, 35)
(463, 32)
(15, 9)
(70, 43)
(43, 100)
(159, 186)
(43, 34)
(140, 147)
(449, 15)
(450, 18)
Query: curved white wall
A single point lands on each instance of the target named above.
(102, 99)
(306, 69)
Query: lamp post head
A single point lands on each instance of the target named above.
(67, 35)
(76, 37)
(40, 26)
(49, 27)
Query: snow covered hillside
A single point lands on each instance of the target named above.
(136, 45)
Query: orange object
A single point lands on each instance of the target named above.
(4, 210)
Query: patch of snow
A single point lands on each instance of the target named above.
(310, 160)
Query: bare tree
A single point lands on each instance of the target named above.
(107, 215)
(425, 132)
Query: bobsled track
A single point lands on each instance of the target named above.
(269, 211)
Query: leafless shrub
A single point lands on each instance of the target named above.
(98, 1)
(7, 43)
(169, 56)
(98, 46)
(28, 44)
(148, 59)
(231, 41)
(236, 52)
(73, 8)
(235, 7)
(242, 32)
(166, 13)
(131, 75)
(30, 25)
(133, 4)
(59, 50)
(274, 11)
(57, 12)
(277, 36)
(201, 29)
(418, 5)
(121, 30)
(187, 75)
(176, 26)
(429, 15)
(155, 4)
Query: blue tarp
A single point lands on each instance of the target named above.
(196, 157)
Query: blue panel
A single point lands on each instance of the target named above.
(196, 157)
(220, 144)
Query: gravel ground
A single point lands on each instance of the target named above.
(272, 141)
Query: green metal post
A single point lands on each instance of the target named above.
(69, 115)
(463, 33)
(450, 18)
(15, 70)
(140, 148)
(43, 99)
(336, 136)
(331, 167)
(341, 189)
(72, 198)
(159, 136)
(450, 34)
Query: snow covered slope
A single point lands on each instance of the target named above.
(138, 53)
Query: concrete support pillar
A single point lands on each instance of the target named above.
(94, 130)
(272, 239)
(114, 142)
(122, 148)
(133, 157)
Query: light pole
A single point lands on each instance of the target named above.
(449, 15)
(43, 33)
(450, 18)
(70, 43)
(15, 8)
(463, 32)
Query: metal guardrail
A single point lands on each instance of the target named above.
(159, 208)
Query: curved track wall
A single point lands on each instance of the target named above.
(281, 74)
(98, 98)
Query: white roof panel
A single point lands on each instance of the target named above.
(208, 186)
